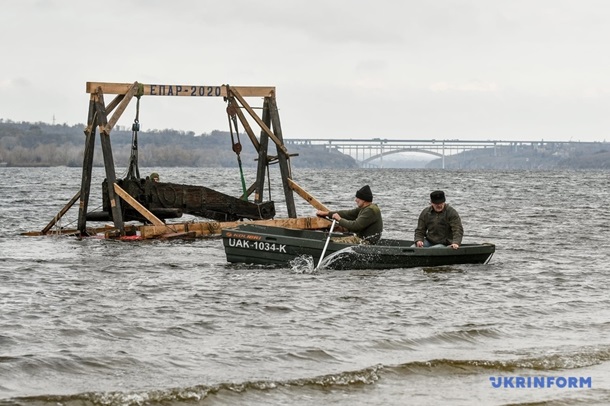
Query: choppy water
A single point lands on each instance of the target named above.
(95, 322)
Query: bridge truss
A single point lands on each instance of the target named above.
(367, 151)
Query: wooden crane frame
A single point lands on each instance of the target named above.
(98, 119)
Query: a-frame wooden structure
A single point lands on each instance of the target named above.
(98, 119)
(103, 117)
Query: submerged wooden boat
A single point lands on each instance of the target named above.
(267, 245)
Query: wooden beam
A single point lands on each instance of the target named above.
(72, 231)
(61, 213)
(283, 159)
(121, 108)
(263, 162)
(137, 206)
(251, 91)
(306, 195)
(247, 127)
(213, 229)
(260, 122)
(209, 229)
(102, 122)
(85, 188)
(182, 90)
(115, 102)
(249, 191)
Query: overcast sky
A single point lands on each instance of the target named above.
(400, 69)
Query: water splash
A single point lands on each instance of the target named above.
(303, 264)
(335, 256)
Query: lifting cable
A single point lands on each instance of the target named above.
(232, 115)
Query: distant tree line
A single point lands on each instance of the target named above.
(42, 144)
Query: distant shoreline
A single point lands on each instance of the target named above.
(40, 145)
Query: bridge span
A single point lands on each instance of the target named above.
(366, 151)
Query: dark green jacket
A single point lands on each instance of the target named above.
(365, 222)
(440, 228)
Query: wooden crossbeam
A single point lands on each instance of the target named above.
(182, 90)
(121, 106)
(61, 213)
(258, 120)
(247, 127)
(137, 206)
(214, 228)
(306, 195)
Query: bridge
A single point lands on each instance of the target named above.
(368, 151)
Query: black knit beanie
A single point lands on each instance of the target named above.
(365, 194)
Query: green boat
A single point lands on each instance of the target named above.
(267, 245)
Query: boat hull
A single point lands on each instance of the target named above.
(266, 245)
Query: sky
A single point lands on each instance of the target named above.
(395, 69)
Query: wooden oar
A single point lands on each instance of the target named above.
(332, 226)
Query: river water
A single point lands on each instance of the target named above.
(100, 322)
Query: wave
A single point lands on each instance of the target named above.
(582, 358)
(194, 395)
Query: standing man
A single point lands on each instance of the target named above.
(365, 220)
(439, 224)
